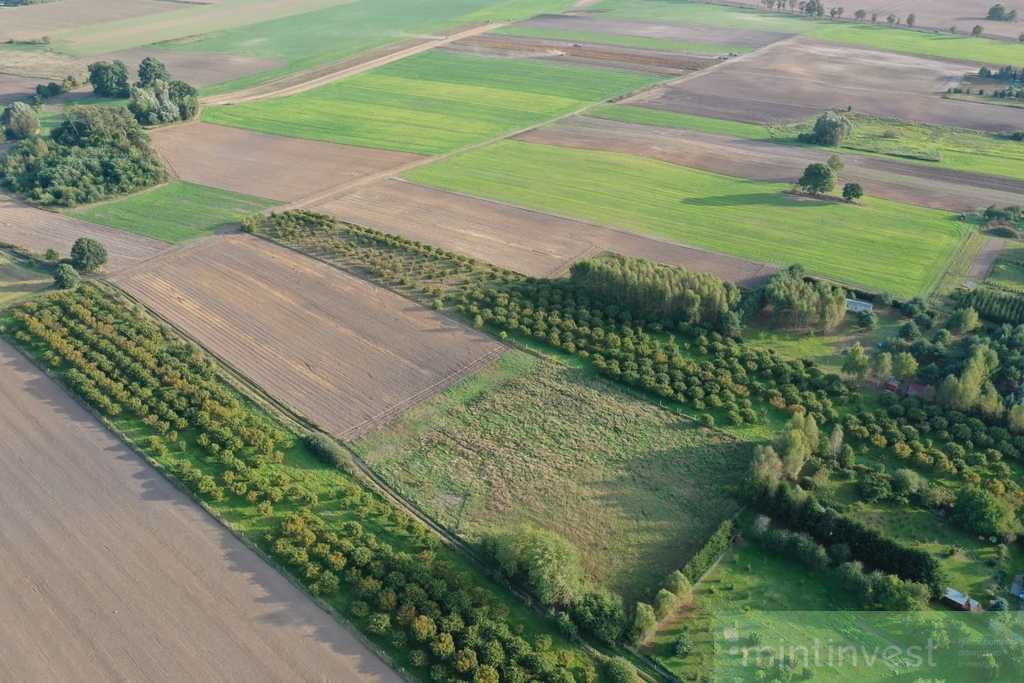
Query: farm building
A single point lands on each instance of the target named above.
(961, 601)
(858, 306)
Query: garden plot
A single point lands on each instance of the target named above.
(265, 165)
(37, 230)
(342, 352)
(528, 242)
(933, 187)
(798, 79)
(109, 572)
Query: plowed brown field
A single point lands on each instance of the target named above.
(37, 230)
(937, 188)
(519, 239)
(109, 573)
(342, 352)
(35, 21)
(264, 165)
(798, 79)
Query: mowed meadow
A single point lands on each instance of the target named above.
(878, 244)
(432, 103)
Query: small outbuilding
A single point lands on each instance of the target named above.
(858, 306)
(961, 601)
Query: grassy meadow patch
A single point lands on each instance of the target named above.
(880, 244)
(636, 488)
(18, 281)
(175, 212)
(431, 103)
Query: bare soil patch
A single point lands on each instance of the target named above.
(647, 29)
(982, 265)
(265, 165)
(14, 88)
(800, 78)
(37, 230)
(36, 21)
(110, 573)
(198, 68)
(587, 54)
(937, 188)
(519, 239)
(346, 354)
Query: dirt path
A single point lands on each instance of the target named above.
(316, 78)
(986, 259)
(110, 573)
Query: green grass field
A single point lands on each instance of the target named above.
(880, 245)
(305, 41)
(640, 42)
(636, 488)
(1009, 267)
(175, 212)
(18, 281)
(432, 103)
(906, 41)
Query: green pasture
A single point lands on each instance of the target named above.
(19, 281)
(175, 212)
(880, 244)
(640, 42)
(305, 41)
(432, 103)
(636, 488)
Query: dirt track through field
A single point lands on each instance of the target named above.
(799, 78)
(526, 241)
(265, 165)
(108, 572)
(986, 259)
(933, 187)
(37, 230)
(344, 353)
(346, 69)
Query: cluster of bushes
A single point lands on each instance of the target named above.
(795, 301)
(156, 98)
(424, 605)
(651, 291)
(830, 129)
(800, 511)
(95, 153)
(874, 590)
(706, 371)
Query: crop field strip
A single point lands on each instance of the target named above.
(340, 351)
(531, 440)
(149, 566)
(936, 188)
(800, 78)
(38, 230)
(173, 213)
(432, 103)
(854, 244)
(528, 242)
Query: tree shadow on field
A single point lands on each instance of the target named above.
(748, 199)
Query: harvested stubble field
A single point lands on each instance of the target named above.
(173, 213)
(432, 103)
(345, 354)
(879, 244)
(522, 240)
(37, 230)
(35, 21)
(798, 79)
(199, 69)
(636, 488)
(262, 165)
(933, 187)
(130, 577)
(582, 54)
